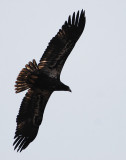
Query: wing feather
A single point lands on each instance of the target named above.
(30, 117)
(62, 44)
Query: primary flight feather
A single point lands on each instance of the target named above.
(43, 79)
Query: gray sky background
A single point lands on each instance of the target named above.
(90, 122)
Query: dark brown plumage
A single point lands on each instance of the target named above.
(42, 79)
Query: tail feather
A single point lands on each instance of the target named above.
(25, 76)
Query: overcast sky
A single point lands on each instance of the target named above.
(90, 122)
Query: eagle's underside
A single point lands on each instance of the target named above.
(44, 78)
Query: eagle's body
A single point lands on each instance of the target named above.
(53, 84)
(43, 79)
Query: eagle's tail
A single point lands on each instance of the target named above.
(26, 77)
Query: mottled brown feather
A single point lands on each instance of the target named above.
(26, 77)
(62, 44)
(30, 117)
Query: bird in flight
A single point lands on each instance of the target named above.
(43, 79)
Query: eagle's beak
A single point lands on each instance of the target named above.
(69, 90)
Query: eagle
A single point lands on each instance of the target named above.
(42, 79)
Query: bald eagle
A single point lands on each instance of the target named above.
(43, 79)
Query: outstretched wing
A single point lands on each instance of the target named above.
(30, 117)
(62, 44)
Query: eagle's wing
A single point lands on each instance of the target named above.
(62, 44)
(30, 117)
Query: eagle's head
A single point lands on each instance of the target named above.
(62, 87)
